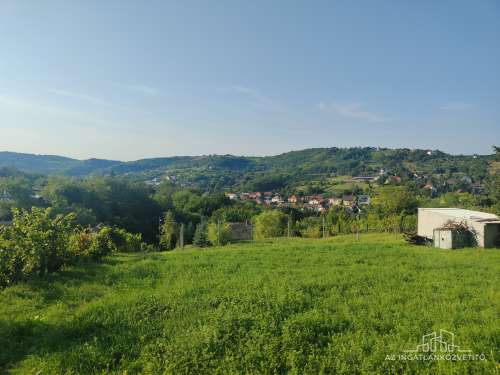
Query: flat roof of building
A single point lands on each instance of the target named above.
(464, 214)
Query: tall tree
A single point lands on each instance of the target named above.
(168, 232)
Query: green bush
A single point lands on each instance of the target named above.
(310, 227)
(39, 243)
(270, 224)
(125, 241)
(219, 233)
(102, 244)
(79, 243)
(35, 244)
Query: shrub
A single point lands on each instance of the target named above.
(35, 244)
(102, 244)
(125, 241)
(219, 233)
(38, 243)
(310, 227)
(270, 224)
(79, 243)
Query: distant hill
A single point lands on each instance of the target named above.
(52, 164)
(261, 173)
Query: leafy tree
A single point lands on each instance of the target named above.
(238, 212)
(186, 201)
(270, 224)
(163, 194)
(168, 232)
(112, 201)
(493, 184)
(219, 233)
(311, 227)
(394, 201)
(201, 235)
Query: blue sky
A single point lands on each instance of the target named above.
(135, 79)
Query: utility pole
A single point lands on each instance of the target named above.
(159, 227)
(288, 227)
(218, 232)
(357, 224)
(357, 229)
(181, 237)
(324, 232)
(251, 230)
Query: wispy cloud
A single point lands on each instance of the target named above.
(253, 93)
(455, 107)
(23, 106)
(76, 95)
(256, 96)
(144, 90)
(352, 110)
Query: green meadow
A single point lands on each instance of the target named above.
(283, 306)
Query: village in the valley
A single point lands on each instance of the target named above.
(316, 203)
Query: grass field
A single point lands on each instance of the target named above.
(284, 306)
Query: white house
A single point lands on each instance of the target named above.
(232, 196)
(485, 227)
(277, 199)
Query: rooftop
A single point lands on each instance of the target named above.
(464, 214)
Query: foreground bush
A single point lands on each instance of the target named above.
(94, 245)
(35, 244)
(39, 243)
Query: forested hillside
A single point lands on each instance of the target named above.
(262, 173)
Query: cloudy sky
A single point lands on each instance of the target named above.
(135, 79)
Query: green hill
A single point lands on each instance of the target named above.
(290, 169)
(51, 164)
(283, 306)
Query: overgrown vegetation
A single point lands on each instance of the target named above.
(126, 202)
(283, 306)
(39, 243)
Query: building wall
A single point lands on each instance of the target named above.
(478, 232)
(429, 220)
(491, 235)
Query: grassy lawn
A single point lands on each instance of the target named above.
(283, 306)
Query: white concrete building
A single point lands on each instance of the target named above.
(485, 227)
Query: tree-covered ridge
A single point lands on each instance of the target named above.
(288, 170)
(52, 164)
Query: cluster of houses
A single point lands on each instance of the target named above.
(461, 185)
(313, 202)
(5, 196)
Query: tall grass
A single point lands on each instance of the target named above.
(278, 306)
